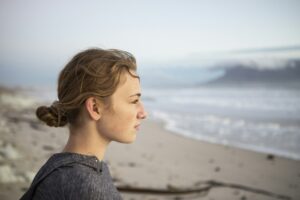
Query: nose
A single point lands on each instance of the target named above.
(142, 114)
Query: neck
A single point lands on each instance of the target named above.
(86, 141)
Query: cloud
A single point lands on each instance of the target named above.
(268, 49)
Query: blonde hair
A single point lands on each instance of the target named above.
(93, 72)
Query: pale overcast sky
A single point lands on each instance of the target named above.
(39, 33)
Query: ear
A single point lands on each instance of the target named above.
(93, 108)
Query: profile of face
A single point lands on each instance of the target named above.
(121, 121)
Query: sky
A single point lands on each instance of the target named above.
(41, 36)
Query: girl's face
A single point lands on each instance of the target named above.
(121, 122)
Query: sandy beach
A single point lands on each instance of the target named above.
(159, 165)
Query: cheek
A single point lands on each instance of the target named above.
(119, 127)
(126, 117)
(122, 119)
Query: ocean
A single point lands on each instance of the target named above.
(261, 119)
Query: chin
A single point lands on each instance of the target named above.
(127, 140)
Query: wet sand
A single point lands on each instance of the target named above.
(158, 165)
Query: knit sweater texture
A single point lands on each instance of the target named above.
(67, 176)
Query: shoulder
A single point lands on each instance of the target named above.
(79, 175)
(70, 182)
(77, 182)
(50, 187)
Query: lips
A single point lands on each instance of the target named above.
(137, 126)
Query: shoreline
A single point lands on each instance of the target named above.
(266, 151)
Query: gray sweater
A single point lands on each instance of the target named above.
(73, 176)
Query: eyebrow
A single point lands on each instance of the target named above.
(137, 94)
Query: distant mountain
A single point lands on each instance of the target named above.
(176, 77)
(249, 75)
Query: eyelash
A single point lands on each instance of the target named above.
(135, 102)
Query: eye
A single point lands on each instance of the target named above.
(136, 101)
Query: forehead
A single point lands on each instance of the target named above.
(129, 85)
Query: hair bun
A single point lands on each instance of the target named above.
(53, 115)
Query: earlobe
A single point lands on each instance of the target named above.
(93, 108)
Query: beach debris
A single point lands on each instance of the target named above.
(270, 157)
(36, 125)
(243, 197)
(169, 190)
(172, 187)
(132, 164)
(48, 147)
(116, 179)
(217, 169)
(178, 198)
(204, 188)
